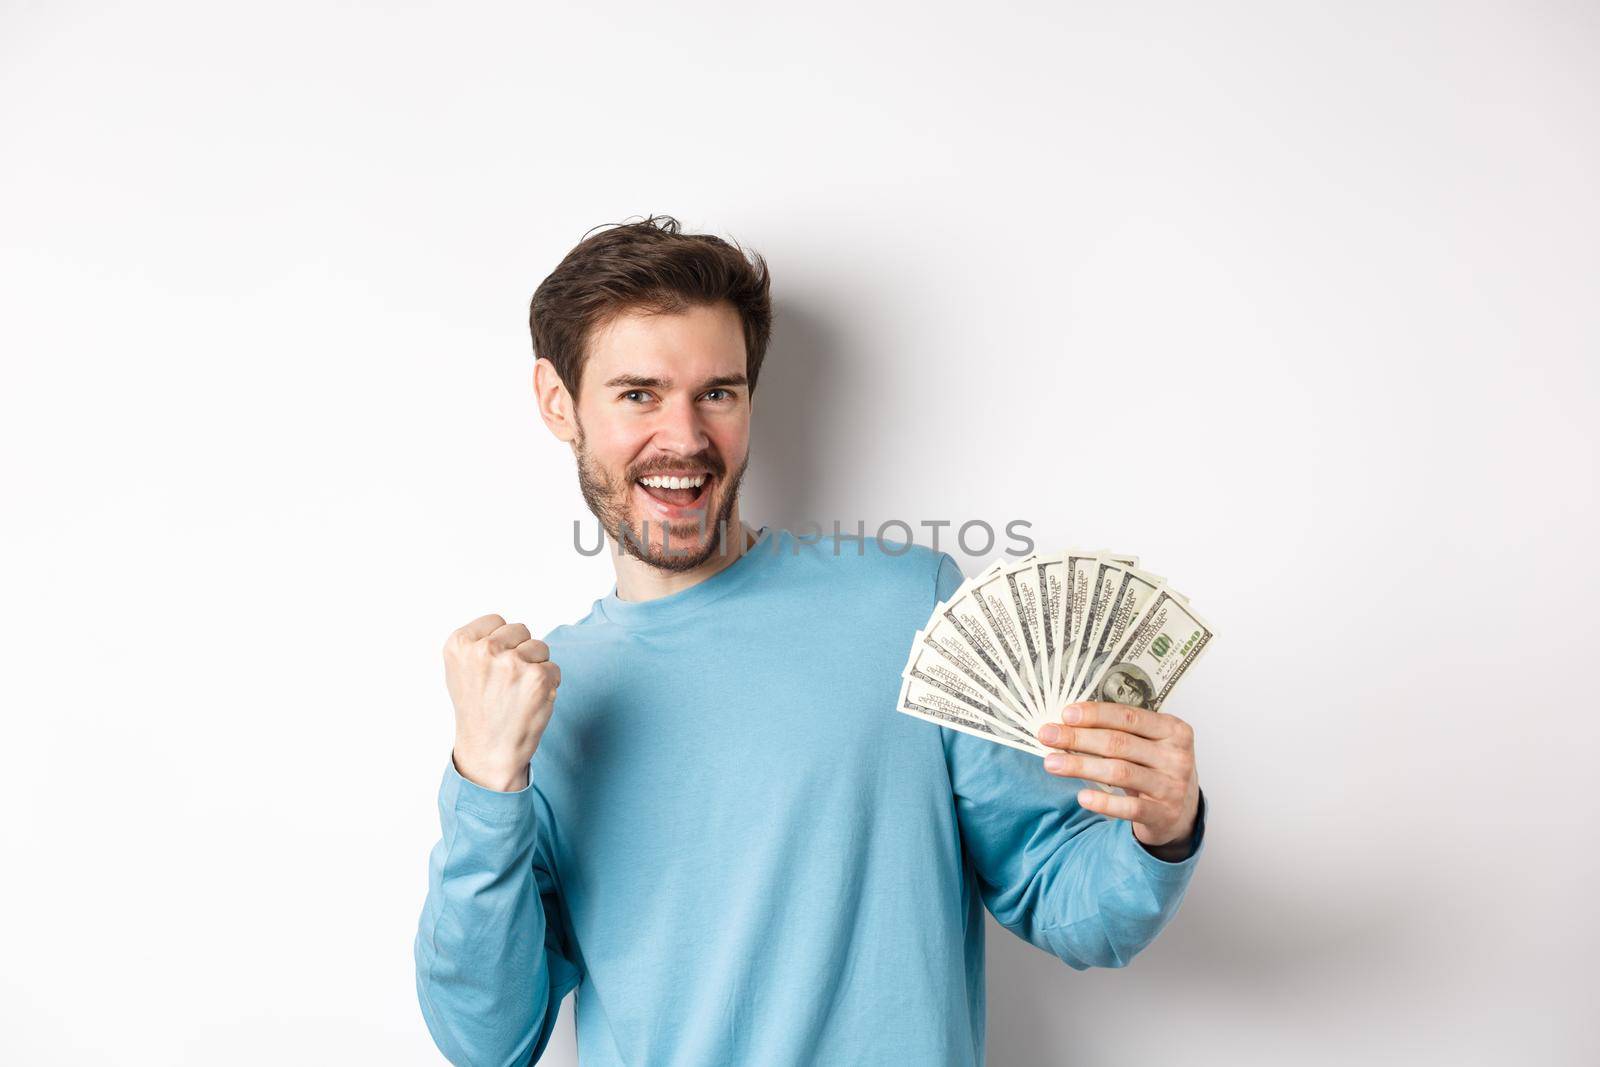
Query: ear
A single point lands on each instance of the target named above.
(556, 406)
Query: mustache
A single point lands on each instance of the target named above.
(705, 460)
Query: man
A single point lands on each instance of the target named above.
(720, 832)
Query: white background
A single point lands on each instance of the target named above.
(1297, 301)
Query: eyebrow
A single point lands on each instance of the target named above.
(635, 381)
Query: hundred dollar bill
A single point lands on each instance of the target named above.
(1076, 565)
(1104, 576)
(1153, 656)
(1052, 596)
(1027, 601)
(958, 622)
(1100, 576)
(1135, 592)
(1000, 612)
(959, 655)
(922, 701)
(984, 630)
(1023, 635)
(949, 720)
(961, 677)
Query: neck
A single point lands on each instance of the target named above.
(638, 580)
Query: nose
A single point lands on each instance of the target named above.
(679, 428)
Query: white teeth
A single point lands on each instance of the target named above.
(657, 481)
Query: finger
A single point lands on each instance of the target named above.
(481, 627)
(542, 677)
(533, 650)
(1116, 743)
(1118, 717)
(1120, 773)
(1134, 809)
(508, 637)
(1182, 732)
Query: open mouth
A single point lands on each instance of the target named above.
(676, 494)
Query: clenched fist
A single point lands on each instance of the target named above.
(503, 685)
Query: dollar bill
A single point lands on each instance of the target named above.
(959, 622)
(1104, 578)
(1052, 594)
(1135, 592)
(962, 678)
(989, 599)
(1155, 654)
(1027, 603)
(924, 701)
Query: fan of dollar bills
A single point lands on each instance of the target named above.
(1020, 641)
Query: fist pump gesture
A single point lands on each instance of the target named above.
(503, 686)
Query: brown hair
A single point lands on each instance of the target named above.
(645, 266)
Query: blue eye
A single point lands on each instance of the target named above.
(634, 392)
(724, 392)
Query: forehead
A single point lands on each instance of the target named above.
(698, 342)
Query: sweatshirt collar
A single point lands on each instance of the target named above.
(665, 609)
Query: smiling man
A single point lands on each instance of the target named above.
(696, 805)
(638, 471)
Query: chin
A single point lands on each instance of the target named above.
(685, 555)
(691, 544)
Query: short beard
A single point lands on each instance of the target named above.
(607, 499)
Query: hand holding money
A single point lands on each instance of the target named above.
(1147, 754)
(1024, 641)
(503, 686)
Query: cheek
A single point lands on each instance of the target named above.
(731, 441)
(616, 446)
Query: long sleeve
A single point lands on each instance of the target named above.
(492, 957)
(1072, 882)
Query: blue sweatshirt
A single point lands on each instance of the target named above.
(738, 852)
